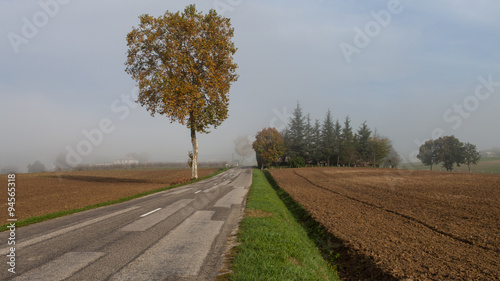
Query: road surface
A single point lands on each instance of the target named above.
(178, 234)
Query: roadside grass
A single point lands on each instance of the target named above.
(38, 219)
(274, 245)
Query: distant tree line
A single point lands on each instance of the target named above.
(327, 143)
(145, 165)
(36, 167)
(450, 151)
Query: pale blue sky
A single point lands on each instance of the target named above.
(62, 72)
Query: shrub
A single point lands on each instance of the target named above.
(180, 180)
(297, 162)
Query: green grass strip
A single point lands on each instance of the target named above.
(274, 246)
(37, 219)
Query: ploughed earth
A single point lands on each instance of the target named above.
(404, 224)
(45, 193)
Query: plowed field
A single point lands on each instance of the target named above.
(416, 225)
(45, 193)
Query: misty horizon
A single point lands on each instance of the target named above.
(412, 71)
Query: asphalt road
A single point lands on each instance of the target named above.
(179, 234)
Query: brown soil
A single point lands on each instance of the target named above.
(416, 225)
(45, 193)
(257, 214)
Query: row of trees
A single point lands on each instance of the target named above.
(450, 151)
(327, 143)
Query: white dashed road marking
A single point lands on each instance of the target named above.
(149, 213)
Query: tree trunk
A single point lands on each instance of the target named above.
(194, 167)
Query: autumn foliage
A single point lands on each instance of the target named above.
(269, 146)
(180, 180)
(183, 65)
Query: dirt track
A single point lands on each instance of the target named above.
(415, 225)
(45, 193)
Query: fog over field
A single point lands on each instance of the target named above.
(414, 70)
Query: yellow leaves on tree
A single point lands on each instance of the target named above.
(183, 65)
(269, 146)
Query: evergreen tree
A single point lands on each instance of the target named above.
(327, 138)
(337, 133)
(347, 138)
(316, 142)
(296, 134)
(308, 140)
(363, 143)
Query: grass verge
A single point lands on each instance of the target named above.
(37, 219)
(274, 245)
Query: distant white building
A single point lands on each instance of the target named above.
(490, 154)
(102, 165)
(126, 162)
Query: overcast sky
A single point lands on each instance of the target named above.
(413, 70)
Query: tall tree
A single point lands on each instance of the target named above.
(308, 140)
(296, 134)
(337, 133)
(328, 137)
(379, 148)
(183, 66)
(428, 153)
(471, 154)
(348, 149)
(269, 146)
(316, 142)
(363, 143)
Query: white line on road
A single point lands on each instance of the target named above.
(142, 224)
(149, 213)
(39, 239)
(197, 192)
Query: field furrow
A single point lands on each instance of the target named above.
(414, 224)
